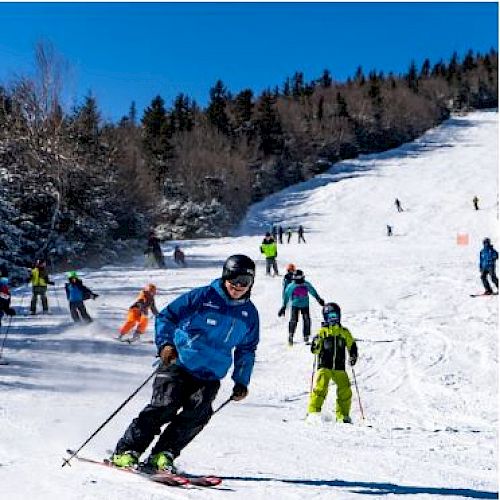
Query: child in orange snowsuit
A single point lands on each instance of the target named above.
(138, 312)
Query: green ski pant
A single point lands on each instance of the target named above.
(320, 390)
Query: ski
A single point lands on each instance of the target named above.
(483, 294)
(162, 477)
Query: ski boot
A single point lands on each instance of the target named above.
(163, 460)
(290, 340)
(127, 459)
(346, 420)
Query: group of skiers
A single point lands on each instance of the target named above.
(154, 254)
(278, 232)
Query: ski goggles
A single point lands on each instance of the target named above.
(242, 281)
(331, 317)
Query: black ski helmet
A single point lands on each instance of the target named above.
(487, 242)
(299, 275)
(238, 265)
(331, 313)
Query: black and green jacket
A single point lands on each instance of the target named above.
(330, 346)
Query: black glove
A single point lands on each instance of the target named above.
(94, 296)
(50, 282)
(321, 302)
(240, 392)
(281, 312)
(352, 359)
(10, 312)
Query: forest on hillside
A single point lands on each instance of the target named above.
(76, 188)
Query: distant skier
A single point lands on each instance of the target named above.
(330, 345)
(398, 205)
(487, 265)
(198, 336)
(289, 233)
(475, 202)
(5, 298)
(270, 251)
(280, 234)
(77, 293)
(153, 251)
(39, 279)
(300, 233)
(274, 232)
(288, 278)
(179, 257)
(298, 293)
(138, 313)
(389, 230)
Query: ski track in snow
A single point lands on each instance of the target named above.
(428, 366)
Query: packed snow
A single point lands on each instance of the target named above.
(427, 372)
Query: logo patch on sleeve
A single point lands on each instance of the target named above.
(211, 322)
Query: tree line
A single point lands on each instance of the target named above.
(71, 183)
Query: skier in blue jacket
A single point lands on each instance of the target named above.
(487, 263)
(298, 292)
(197, 336)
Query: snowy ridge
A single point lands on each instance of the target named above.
(428, 366)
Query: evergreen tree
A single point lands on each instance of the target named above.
(156, 135)
(326, 79)
(132, 114)
(412, 77)
(268, 124)
(359, 77)
(181, 117)
(286, 88)
(425, 71)
(469, 63)
(85, 127)
(243, 107)
(297, 84)
(216, 110)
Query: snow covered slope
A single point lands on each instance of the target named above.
(428, 367)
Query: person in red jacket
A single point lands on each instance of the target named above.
(138, 313)
(5, 299)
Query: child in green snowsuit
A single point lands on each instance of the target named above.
(330, 346)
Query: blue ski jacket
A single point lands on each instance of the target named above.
(487, 258)
(205, 326)
(298, 293)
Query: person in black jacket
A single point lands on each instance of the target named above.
(153, 250)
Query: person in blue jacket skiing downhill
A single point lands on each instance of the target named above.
(298, 293)
(197, 336)
(487, 263)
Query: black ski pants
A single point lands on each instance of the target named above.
(174, 389)
(271, 263)
(484, 278)
(294, 319)
(79, 311)
(42, 292)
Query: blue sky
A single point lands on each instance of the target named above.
(125, 52)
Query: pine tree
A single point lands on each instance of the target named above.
(412, 77)
(425, 71)
(359, 77)
(297, 84)
(156, 135)
(268, 124)
(286, 88)
(326, 79)
(243, 107)
(216, 110)
(321, 110)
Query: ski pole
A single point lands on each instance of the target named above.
(223, 404)
(5, 336)
(313, 372)
(66, 460)
(357, 391)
